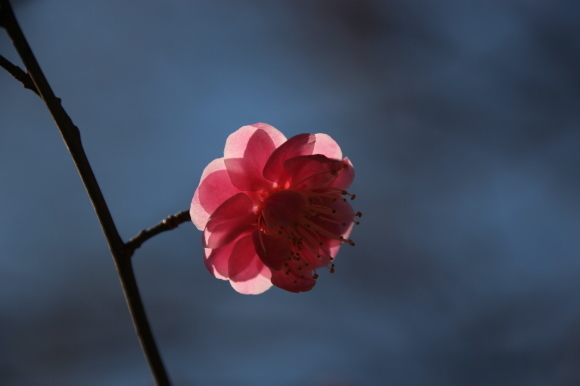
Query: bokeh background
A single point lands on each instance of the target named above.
(462, 119)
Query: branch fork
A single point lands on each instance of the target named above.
(34, 79)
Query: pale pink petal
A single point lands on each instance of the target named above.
(291, 282)
(273, 251)
(245, 170)
(345, 177)
(245, 175)
(313, 171)
(244, 262)
(229, 220)
(214, 188)
(301, 144)
(217, 260)
(255, 286)
(327, 146)
(237, 142)
(295, 185)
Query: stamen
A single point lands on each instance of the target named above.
(308, 233)
(326, 210)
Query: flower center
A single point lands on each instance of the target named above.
(312, 223)
(283, 208)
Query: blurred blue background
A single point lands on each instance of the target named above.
(462, 119)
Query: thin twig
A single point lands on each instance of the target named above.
(18, 74)
(169, 223)
(72, 139)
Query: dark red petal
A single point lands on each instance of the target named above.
(292, 283)
(273, 251)
(342, 207)
(283, 208)
(301, 144)
(229, 220)
(314, 171)
(244, 264)
(331, 246)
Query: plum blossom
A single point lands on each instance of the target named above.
(273, 210)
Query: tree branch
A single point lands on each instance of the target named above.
(18, 74)
(72, 139)
(169, 223)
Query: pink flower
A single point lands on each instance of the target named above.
(272, 210)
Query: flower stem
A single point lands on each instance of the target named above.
(18, 74)
(167, 224)
(72, 139)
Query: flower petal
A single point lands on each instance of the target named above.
(273, 251)
(256, 285)
(283, 208)
(214, 188)
(301, 144)
(244, 263)
(217, 260)
(229, 220)
(242, 139)
(312, 171)
(291, 282)
(327, 146)
(342, 227)
(245, 169)
(345, 177)
(245, 175)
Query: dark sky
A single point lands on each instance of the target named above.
(462, 119)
